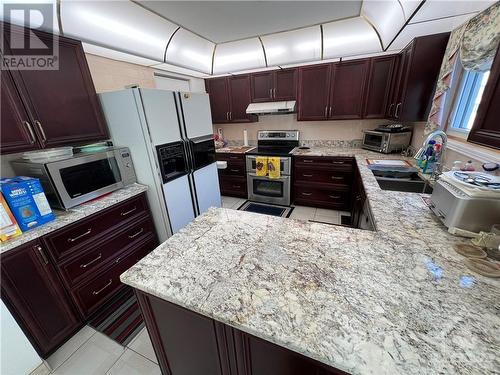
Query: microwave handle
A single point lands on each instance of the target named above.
(282, 178)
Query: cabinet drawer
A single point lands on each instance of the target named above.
(96, 292)
(317, 196)
(337, 163)
(85, 264)
(80, 235)
(233, 186)
(233, 158)
(323, 175)
(233, 169)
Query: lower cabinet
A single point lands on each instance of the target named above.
(324, 182)
(53, 285)
(233, 179)
(361, 216)
(35, 296)
(187, 343)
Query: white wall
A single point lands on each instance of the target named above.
(17, 356)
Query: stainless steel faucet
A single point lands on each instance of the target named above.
(435, 134)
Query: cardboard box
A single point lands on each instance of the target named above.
(27, 201)
(8, 224)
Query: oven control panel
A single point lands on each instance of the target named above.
(278, 135)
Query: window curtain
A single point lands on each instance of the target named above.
(475, 44)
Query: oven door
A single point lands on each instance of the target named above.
(80, 179)
(269, 190)
(251, 164)
(373, 140)
(202, 151)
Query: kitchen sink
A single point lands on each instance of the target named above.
(400, 179)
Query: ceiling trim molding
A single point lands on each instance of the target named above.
(168, 43)
(407, 22)
(263, 50)
(445, 17)
(213, 60)
(374, 29)
(402, 9)
(59, 18)
(322, 42)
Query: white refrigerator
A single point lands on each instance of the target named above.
(170, 138)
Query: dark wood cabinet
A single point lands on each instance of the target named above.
(233, 179)
(62, 103)
(415, 81)
(347, 90)
(178, 335)
(54, 284)
(17, 132)
(277, 85)
(486, 128)
(35, 296)
(229, 98)
(314, 90)
(378, 88)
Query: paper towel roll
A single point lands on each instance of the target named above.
(245, 137)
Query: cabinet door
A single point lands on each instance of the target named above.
(379, 86)
(402, 79)
(262, 87)
(17, 130)
(314, 88)
(239, 98)
(63, 102)
(347, 90)
(34, 295)
(285, 84)
(219, 99)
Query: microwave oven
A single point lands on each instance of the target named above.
(74, 180)
(385, 142)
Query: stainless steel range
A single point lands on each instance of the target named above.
(271, 143)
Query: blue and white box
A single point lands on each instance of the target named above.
(27, 201)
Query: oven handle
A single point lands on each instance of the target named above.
(282, 178)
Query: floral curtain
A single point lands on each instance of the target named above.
(475, 43)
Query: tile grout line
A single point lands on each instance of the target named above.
(143, 356)
(71, 355)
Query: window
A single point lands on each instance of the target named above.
(470, 92)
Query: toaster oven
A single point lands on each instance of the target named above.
(386, 142)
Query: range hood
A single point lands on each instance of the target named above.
(271, 108)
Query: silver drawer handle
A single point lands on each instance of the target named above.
(236, 186)
(91, 262)
(30, 130)
(128, 212)
(233, 157)
(136, 234)
(335, 196)
(42, 132)
(307, 194)
(42, 254)
(337, 162)
(80, 236)
(307, 161)
(337, 178)
(307, 175)
(95, 293)
(234, 170)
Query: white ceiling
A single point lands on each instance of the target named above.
(224, 21)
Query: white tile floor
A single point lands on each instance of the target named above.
(91, 353)
(299, 212)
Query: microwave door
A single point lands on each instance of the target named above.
(372, 139)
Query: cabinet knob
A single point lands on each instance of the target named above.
(42, 254)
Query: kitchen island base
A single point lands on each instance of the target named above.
(187, 343)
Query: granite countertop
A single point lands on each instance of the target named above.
(398, 300)
(234, 149)
(64, 218)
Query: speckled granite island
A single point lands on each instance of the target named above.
(391, 301)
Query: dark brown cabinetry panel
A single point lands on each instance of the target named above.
(378, 87)
(347, 90)
(188, 343)
(229, 98)
(34, 294)
(239, 96)
(262, 87)
(17, 132)
(217, 89)
(486, 128)
(285, 84)
(314, 89)
(233, 179)
(63, 103)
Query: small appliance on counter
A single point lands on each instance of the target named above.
(387, 138)
(72, 180)
(467, 200)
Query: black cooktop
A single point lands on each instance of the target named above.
(271, 151)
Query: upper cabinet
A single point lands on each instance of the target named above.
(277, 85)
(378, 86)
(415, 81)
(314, 90)
(55, 107)
(229, 98)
